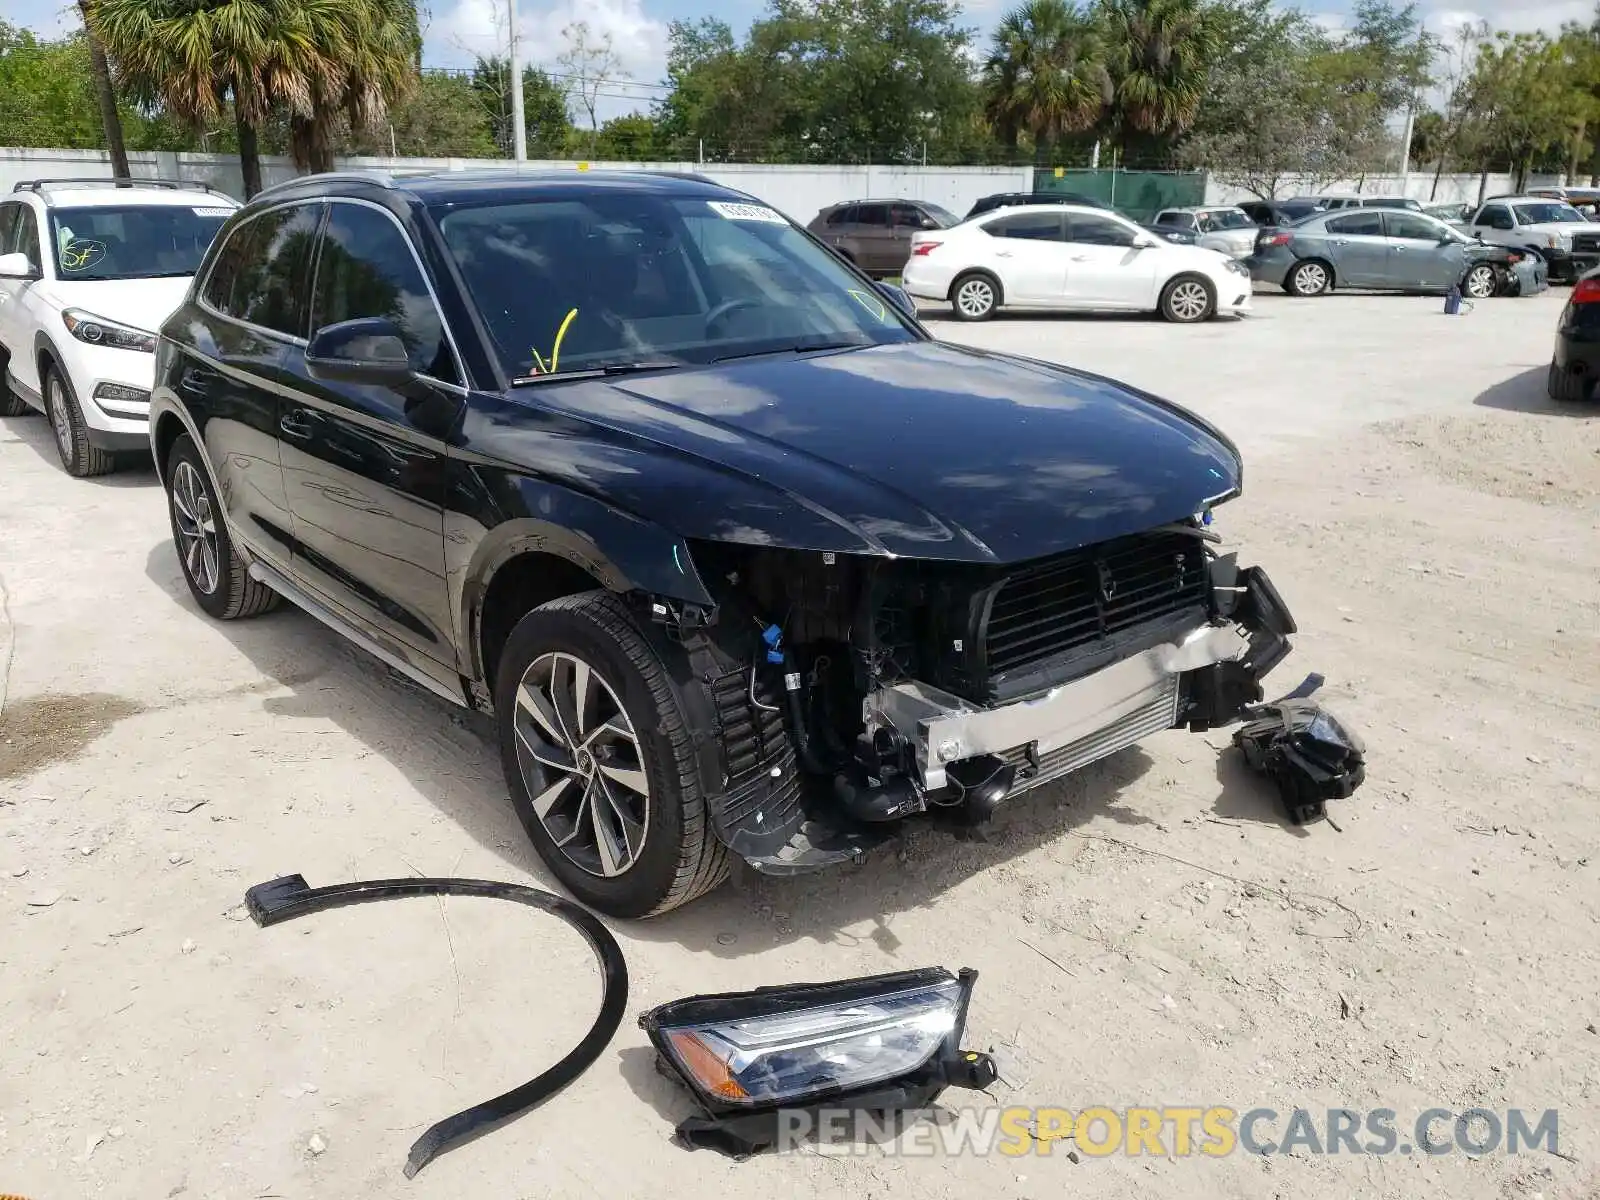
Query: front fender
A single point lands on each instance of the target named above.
(621, 551)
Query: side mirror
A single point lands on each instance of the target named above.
(366, 350)
(17, 266)
(929, 223)
(1145, 241)
(898, 297)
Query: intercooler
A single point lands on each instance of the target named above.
(1034, 769)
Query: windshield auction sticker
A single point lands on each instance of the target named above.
(747, 212)
(212, 212)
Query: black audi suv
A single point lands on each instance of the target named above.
(742, 562)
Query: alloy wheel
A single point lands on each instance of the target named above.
(582, 764)
(1310, 279)
(197, 527)
(975, 297)
(60, 422)
(1480, 282)
(1189, 301)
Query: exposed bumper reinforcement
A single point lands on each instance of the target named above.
(943, 728)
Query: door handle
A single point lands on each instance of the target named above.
(1080, 258)
(296, 424)
(1399, 249)
(1002, 254)
(1340, 241)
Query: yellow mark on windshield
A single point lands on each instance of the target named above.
(555, 351)
(871, 303)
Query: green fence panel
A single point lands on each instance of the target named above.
(1139, 194)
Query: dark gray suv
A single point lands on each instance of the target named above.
(876, 234)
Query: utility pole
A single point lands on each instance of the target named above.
(519, 123)
(1405, 146)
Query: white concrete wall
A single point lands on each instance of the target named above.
(1452, 189)
(798, 191)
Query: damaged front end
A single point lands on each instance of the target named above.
(842, 694)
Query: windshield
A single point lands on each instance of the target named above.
(133, 242)
(1554, 213)
(1228, 218)
(619, 278)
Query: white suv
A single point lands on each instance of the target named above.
(88, 272)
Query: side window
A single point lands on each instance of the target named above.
(876, 215)
(1495, 216)
(27, 236)
(273, 283)
(1401, 224)
(1357, 224)
(232, 260)
(843, 216)
(8, 227)
(1097, 231)
(1206, 223)
(1033, 226)
(1177, 220)
(366, 269)
(907, 215)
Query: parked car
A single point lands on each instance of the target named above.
(1224, 228)
(87, 272)
(1451, 214)
(1070, 257)
(1022, 199)
(1334, 203)
(1552, 229)
(741, 560)
(876, 234)
(1385, 248)
(1576, 363)
(1279, 212)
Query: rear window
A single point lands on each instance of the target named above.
(148, 241)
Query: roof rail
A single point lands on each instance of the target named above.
(385, 179)
(39, 185)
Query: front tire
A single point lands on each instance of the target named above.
(1188, 300)
(217, 577)
(597, 753)
(1480, 282)
(1309, 278)
(975, 296)
(81, 459)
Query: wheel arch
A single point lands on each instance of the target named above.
(1325, 263)
(525, 562)
(45, 356)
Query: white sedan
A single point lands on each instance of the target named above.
(1066, 256)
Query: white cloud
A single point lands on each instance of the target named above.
(473, 27)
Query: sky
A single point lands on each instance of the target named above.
(457, 31)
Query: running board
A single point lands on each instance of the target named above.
(278, 582)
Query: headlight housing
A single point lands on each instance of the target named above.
(1237, 267)
(880, 1042)
(97, 331)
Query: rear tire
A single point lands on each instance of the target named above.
(975, 296)
(652, 846)
(217, 577)
(79, 457)
(1188, 300)
(11, 404)
(1565, 387)
(1310, 277)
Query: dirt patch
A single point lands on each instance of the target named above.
(49, 729)
(1545, 459)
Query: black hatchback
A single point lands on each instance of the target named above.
(740, 560)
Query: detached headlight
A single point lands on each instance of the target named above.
(98, 331)
(885, 1041)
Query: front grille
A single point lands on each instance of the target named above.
(1161, 712)
(1586, 243)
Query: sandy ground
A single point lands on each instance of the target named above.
(1147, 933)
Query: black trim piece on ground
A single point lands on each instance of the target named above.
(288, 897)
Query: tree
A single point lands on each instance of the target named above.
(44, 97)
(441, 118)
(1524, 95)
(633, 138)
(1045, 74)
(588, 64)
(198, 57)
(1159, 51)
(1380, 66)
(371, 48)
(544, 108)
(105, 95)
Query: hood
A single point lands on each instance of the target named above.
(923, 449)
(142, 303)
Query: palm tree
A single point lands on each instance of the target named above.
(1160, 50)
(376, 44)
(1045, 73)
(105, 95)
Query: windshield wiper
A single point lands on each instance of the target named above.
(804, 347)
(665, 364)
